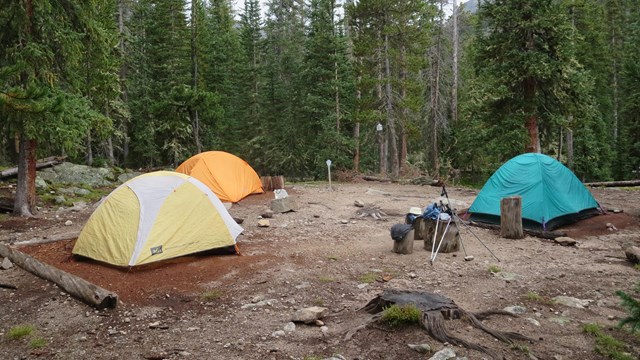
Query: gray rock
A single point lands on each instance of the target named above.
(571, 302)
(633, 254)
(559, 320)
(59, 199)
(122, 178)
(267, 214)
(6, 264)
(310, 315)
(507, 276)
(262, 303)
(68, 173)
(421, 348)
(290, 327)
(565, 241)
(284, 205)
(278, 333)
(444, 354)
(40, 183)
(533, 321)
(335, 357)
(515, 309)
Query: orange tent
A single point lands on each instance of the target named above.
(228, 176)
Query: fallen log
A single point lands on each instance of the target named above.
(77, 287)
(40, 164)
(614, 183)
(8, 286)
(48, 239)
(552, 235)
(374, 178)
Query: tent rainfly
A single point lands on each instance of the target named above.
(227, 175)
(156, 216)
(552, 195)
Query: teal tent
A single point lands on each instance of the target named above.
(552, 195)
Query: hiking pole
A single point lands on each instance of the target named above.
(444, 192)
(441, 239)
(433, 241)
(476, 236)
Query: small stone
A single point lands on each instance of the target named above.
(565, 241)
(263, 223)
(324, 329)
(516, 310)
(310, 315)
(319, 323)
(68, 223)
(267, 214)
(290, 327)
(6, 264)
(421, 348)
(344, 221)
(278, 333)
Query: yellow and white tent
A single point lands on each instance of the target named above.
(156, 216)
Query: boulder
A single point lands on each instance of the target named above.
(310, 315)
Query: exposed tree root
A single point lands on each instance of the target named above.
(435, 310)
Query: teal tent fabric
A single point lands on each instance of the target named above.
(551, 194)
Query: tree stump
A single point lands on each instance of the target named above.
(266, 183)
(420, 227)
(277, 182)
(404, 246)
(511, 218)
(451, 240)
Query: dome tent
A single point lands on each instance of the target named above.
(552, 195)
(156, 216)
(227, 175)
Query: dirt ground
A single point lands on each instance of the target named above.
(323, 254)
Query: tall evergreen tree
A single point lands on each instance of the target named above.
(533, 83)
(279, 147)
(42, 96)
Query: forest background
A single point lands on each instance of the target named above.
(377, 86)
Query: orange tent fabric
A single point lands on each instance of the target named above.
(227, 175)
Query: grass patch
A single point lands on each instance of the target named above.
(319, 302)
(326, 279)
(211, 295)
(521, 348)
(637, 267)
(534, 296)
(93, 195)
(494, 269)
(19, 331)
(396, 315)
(333, 258)
(607, 345)
(368, 278)
(38, 343)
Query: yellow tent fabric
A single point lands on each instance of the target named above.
(227, 175)
(156, 216)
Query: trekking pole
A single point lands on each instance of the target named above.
(433, 241)
(476, 236)
(453, 213)
(441, 240)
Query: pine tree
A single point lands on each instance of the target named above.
(43, 95)
(533, 84)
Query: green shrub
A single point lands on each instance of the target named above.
(607, 345)
(494, 269)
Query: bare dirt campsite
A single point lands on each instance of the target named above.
(325, 254)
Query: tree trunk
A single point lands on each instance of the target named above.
(123, 78)
(511, 218)
(356, 137)
(79, 288)
(89, 150)
(530, 88)
(405, 111)
(391, 125)
(570, 149)
(454, 85)
(26, 187)
(195, 119)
